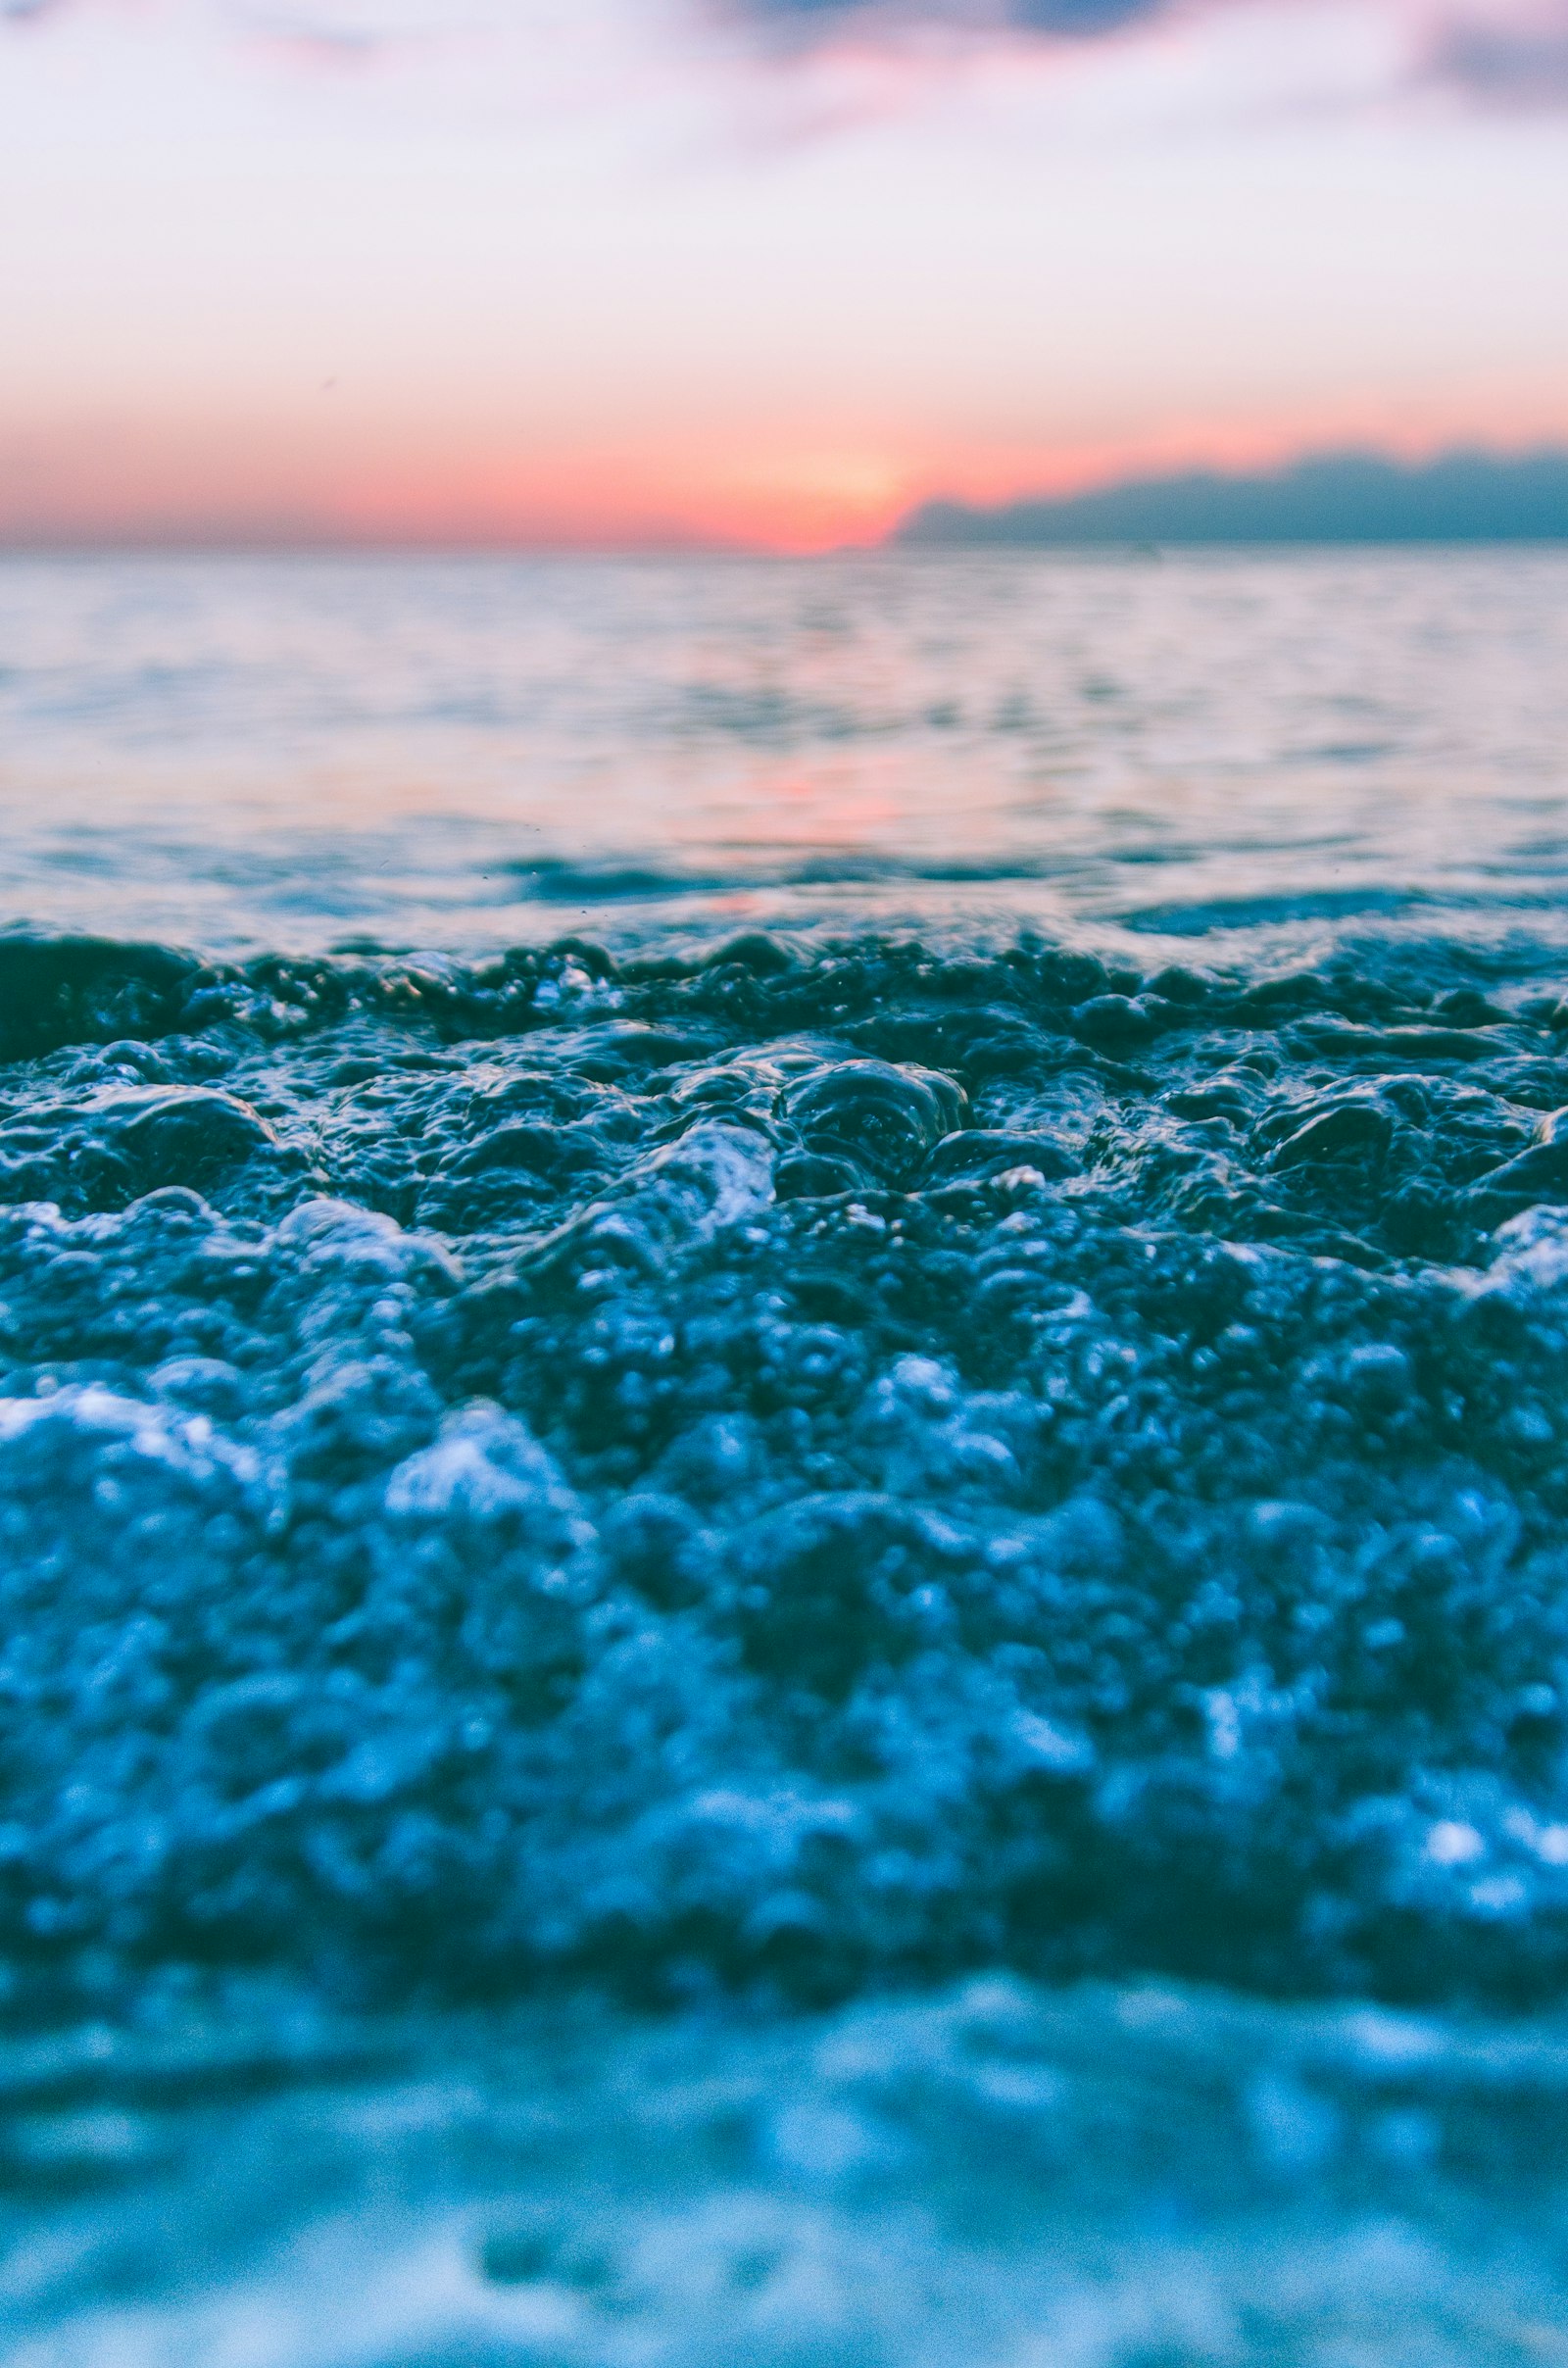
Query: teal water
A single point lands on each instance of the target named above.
(781, 1500)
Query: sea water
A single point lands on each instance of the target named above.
(783, 1395)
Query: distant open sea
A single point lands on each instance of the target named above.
(784, 1462)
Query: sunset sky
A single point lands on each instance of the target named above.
(608, 272)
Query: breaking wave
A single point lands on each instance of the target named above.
(812, 1466)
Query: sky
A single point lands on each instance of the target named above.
(754, 273)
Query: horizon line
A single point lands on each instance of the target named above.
(1103, 514)
(889, 546)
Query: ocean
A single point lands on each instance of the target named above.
(783, 1501)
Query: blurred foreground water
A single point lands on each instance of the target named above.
(783, 1359)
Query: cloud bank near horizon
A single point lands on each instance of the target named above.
(1333, 498)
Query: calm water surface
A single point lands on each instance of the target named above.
(783, 1509)
(277, 753)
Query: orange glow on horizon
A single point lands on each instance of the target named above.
(218, 484)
